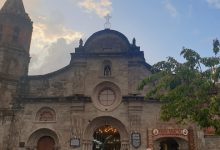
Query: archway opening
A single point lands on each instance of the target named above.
(46, 143)
(106, 138)
(169, 144)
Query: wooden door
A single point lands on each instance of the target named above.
(45, 143)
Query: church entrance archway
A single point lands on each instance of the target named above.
(106, 137)
(169, 144)
(45, 143)
(43, 139)
(95, 133)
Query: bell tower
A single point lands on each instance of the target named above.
(15, 38)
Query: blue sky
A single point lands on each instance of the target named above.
(161, 27)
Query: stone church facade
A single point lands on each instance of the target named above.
(90, 104)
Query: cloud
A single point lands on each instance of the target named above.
(51, 39)
(215, 3)
(48, 32)
(1, 2)
(170, 8)
(58, 56)
(100, 7)
(47, 45)
(44, 35)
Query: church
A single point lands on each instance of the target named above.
(90, 104)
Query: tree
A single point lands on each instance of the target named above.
(189, 90)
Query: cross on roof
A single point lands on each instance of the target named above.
(107, 23)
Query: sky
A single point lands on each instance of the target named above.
(161, 27)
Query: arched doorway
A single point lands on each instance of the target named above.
(169, 144)
(101, 123)
(46, 143)
(106, 137)
(43, 139)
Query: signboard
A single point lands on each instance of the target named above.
(179, 132)
(136, 140)
(75, 142)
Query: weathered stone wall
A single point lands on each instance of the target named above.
(77, 79)
(212, 142)
(8, 91)
(1, 131)
(64, 84)
(72, 119)
(8, 132)
(1, 59)
(14, 62)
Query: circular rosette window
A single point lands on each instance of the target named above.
(107, 96)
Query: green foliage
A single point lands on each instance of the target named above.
(189, 92)
(216, 46)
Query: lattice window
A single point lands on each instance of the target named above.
(107, 97)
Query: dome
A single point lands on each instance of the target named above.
(107, 41)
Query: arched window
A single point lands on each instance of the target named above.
(15, 34)
(107, 68)
(46, 114)
(1, 31)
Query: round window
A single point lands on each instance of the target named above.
(107, 97)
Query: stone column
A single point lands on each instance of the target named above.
(191, 139)
(150, 142)
(124, 146)
(84, 145)
(87, 145)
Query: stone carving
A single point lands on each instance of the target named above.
(134, 81)
(77, 126)
(15, 130)
(42, 89)
(57, 88)
(80, 43)
(7, 97)
(46, 114)
(135, 123)
(134, 42)
(78, 82)
(107, 71)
